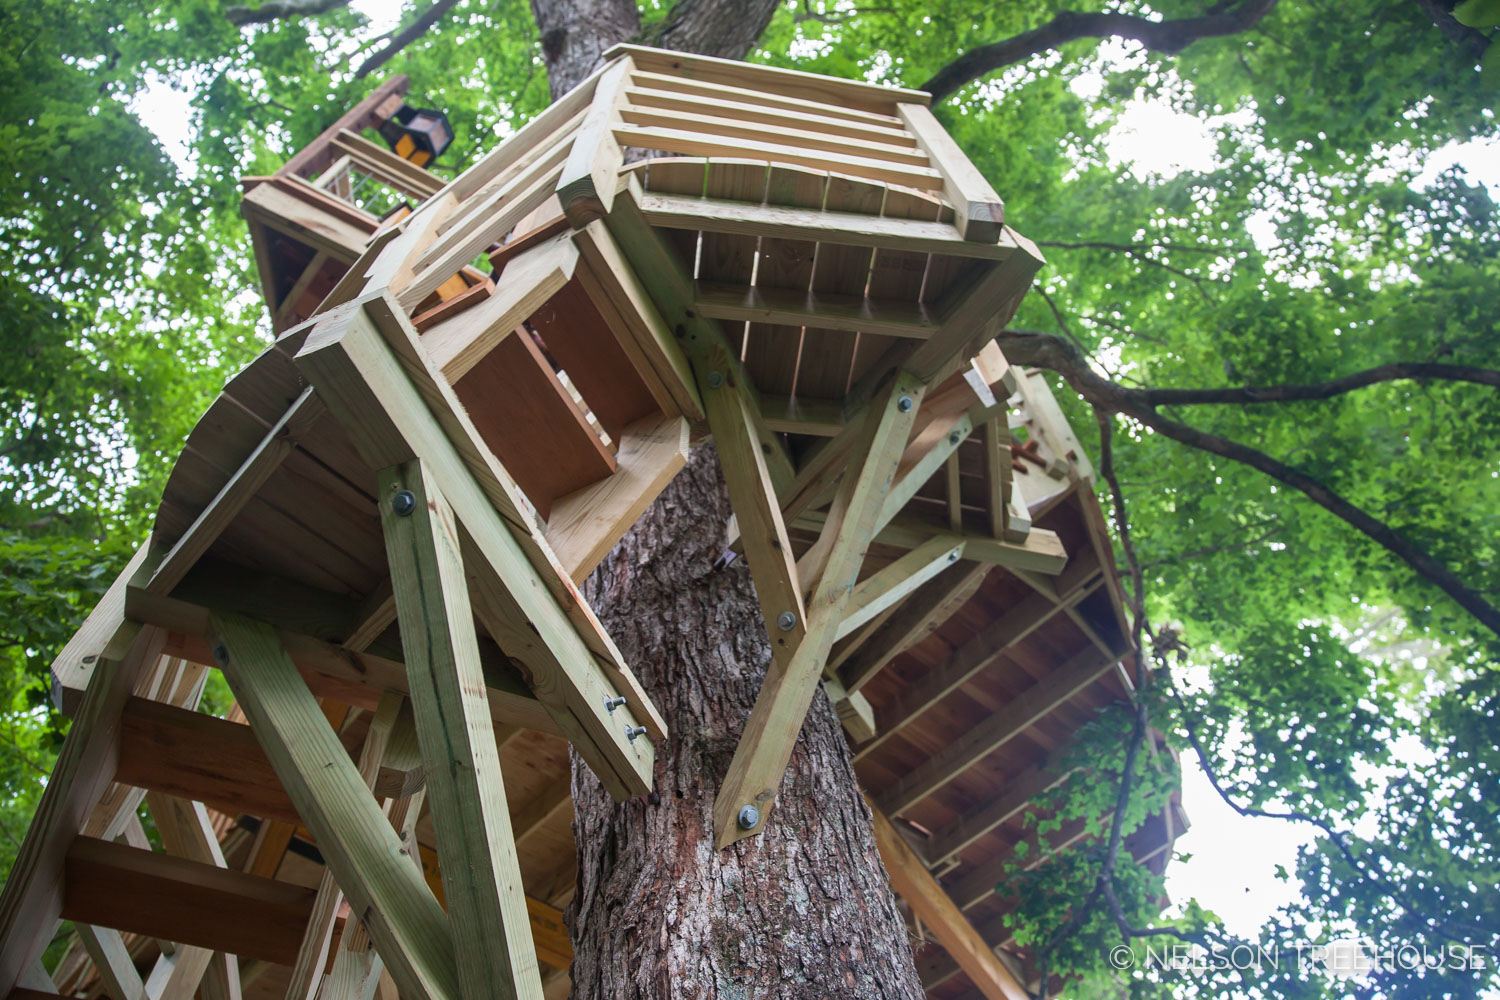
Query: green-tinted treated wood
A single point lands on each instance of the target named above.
(403, 917)
(32, 901)
(766, 745)
(517, 581)
(894, 583)
(112, 961)
(586, 188)
(481, 876)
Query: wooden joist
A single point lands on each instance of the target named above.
(826, 310)
(894, 583)
(981, 214)
(177, 899)
(1016, 716)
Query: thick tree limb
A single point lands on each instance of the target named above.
(276, 10)
(1045, 350)
(1169, 37)
(1471, 42)
(714, 27)
(1322, 390)
(405, 37)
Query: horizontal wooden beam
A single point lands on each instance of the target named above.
(717, 215)
(189, 902)
(1018, 793)
(824, 310)
(1042, 551)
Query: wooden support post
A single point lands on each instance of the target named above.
(357, 842)
(766, 745)
(912, 881)
(997, 474)
(481, 875)
(31, 903)
(752, 494)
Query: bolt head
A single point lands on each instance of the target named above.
(221, 654)
(904, 404)
(403, 503)
(749, 818)
(631, 732)
(610, 704)
(715, 379)
(786, 621)
(953, 438)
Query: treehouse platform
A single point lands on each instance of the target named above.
(379, 530)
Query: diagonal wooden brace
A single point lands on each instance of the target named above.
(364, 853)
(766, 745)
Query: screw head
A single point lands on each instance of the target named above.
(715, 379)
(786, 621)
(403, 503)
(953, 438)
(749, 818)
(904, 404)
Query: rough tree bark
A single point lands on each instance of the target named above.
(804, 910)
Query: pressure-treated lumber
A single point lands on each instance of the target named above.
(973, 656)
(912, 881)
(481, 876)
(369, 390)
(766, 744)
(104, 635)
(267, 457)
(352, 833)
(111, 958)
(980, 210)
(586, 188)
(826, 310)
(718, 215)
(921, 613)
(894, 583)
(32, 900)
(176, 899)
(585, 525)
(1013, 718)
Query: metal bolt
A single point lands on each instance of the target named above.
(953, 556)
(221, 655)
(953, 438)
(904, 404)
(631, 732)
(786, 621)
(90, 658)
(749, 818)
(403, 503)
(610, 704)
(715, 379)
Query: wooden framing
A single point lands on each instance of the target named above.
(825, 312)
(481, 878)
(912, 881)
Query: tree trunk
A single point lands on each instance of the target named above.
(805, 909)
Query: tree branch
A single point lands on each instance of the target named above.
(276, 10)
(1169, 37)
(1045, 350)
(405, 37)
(1472, 43)
(1323, 390)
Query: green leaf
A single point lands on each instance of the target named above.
(1478, 13)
